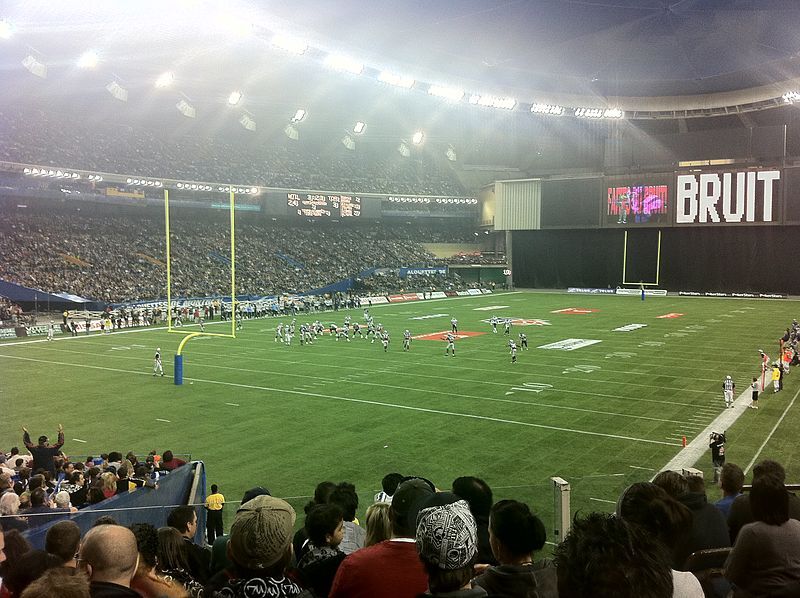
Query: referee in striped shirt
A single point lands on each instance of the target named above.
(728, 385)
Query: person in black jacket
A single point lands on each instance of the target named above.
(322, 557)
(43, 453)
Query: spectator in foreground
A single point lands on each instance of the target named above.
(731, 481)
(390, 569)
(260, 549)
(741, 512)
(173, 561)
(665, 519)
(184, 519)
(479, 497)
(325, 529)
(378, 523)
(62, 541)
(321, 495)
(110, 555)
(58, 583)
(345, 497)
(603, 557)
(146, 580)
(447, 542)
(170, 462)
(389, 485)
(765, 561)
(515, 534)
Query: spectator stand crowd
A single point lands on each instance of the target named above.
(666, 539)
(62, 252)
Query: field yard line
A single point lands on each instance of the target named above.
(612, 502)
(691, 454)
(771, 432)
(435, 411)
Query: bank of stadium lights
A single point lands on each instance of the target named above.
(492, 101)
(50, 173)
(299, 116)
(791, 97)
(452, 94)
(599, 113)
(6, 29)
(193, 187)
(144, 182)
(391, 78)
(88, 60)
(234, 98)
(417, 138)
(245, 190)
(338, 62)
(34, 66)
(451, 153)
(117, 91)
(553, 109)
(186, 108)
(95, 178)
(165, 80)
(359, 127)
(289, 44)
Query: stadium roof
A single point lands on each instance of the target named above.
(534, 50)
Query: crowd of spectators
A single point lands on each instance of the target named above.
(117, 258)
(47, 137)
(416, 539)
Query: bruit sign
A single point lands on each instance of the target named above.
(727, 197)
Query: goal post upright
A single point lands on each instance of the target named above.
(187, 336)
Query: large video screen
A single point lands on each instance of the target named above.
(636, 204)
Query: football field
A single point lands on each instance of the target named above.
(597, 406)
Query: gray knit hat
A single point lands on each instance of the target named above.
(261, 532)
(447, 535)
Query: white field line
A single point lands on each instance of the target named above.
(158, 419)
(771, 432)
(612, 502)
(691, 454)
(360, 401)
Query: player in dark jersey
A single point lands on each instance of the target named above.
(523, 341)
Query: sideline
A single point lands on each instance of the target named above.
(775, 427)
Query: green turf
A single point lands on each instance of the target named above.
(347, 411)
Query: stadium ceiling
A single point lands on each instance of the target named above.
(650, 58)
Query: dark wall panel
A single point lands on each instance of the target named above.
(728, 259)
(572, 202)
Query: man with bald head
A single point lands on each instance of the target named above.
(110, 556)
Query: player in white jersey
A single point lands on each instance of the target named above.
(507, 326)
(202, 323)
(728, 386)
(288, 334)
(385, 340)
(453, 325)
(523, 341)
(50, 330)
(407, 340)
(451, 344)
(279, 333)
(513, 346)
(494, 321)
(764, 367)
(344, 333)
(238, 318)
(347, 320)
(158, 367)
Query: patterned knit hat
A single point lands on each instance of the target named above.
(261, 532)
(447, 536)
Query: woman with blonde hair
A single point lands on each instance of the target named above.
(108, 484)
(378, 523)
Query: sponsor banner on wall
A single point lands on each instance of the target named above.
(403, 297)
(451, 294)
(647, 292)
(8, 333)
(486, 291)
(474, 292)
(570, 344)
(423, 272)
(41, 330)
(591, 291)
(437, 295)
(462, 293)
(739, 295)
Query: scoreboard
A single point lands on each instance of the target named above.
(319, 205)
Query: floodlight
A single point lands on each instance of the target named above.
(253, 190)
(451, 153)
(613, 113)
(493, 101)
(418, 137)
(343, 63)
(235, 98)
(396, 80)
(299, 116)
(790, 97)
(403, 149)
(291, 132)
(452, 94)
(289, 44)
(165, 79)
(359, 127)
(247, 122)
(26, 170)
(348, 142)
(547, 109)
(34, 66)
(88, 60)
(186, 108)
(6, 30)
(117, 91)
